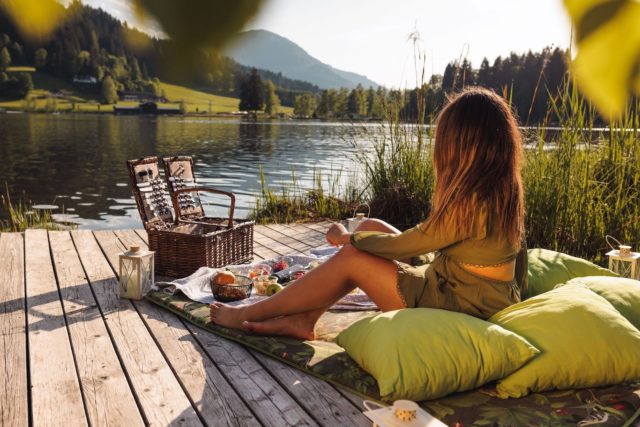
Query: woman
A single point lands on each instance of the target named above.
(476, 226)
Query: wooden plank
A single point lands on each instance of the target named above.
(271, 404)
(284, 239)
(13, 346)
(302, 234)
(212, 395)
(318, 397)
(56, 398)
(326, 404)
(304, 243)
(322, 227)
(272, 244)
(158, 392)
(269, 401)
(108, 397)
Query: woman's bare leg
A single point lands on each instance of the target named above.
(300, 326)
(320, 288)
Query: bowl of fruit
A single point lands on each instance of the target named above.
(227, 287)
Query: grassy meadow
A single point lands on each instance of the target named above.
(40, 99)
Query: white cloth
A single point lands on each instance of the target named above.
(197, 286)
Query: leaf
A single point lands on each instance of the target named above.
(35, 19)
(465, 400)
(606, 67)
(199, 23)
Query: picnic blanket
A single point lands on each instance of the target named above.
(606, 406)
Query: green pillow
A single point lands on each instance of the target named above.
(584, 342)
(623, 294)
(423, 353)
(549, 268)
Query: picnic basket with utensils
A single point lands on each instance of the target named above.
(182, 236)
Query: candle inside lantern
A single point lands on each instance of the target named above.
(136, 273)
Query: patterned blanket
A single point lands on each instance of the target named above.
(611, 406)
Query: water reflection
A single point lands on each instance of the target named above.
(78, 161)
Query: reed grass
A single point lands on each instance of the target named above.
(327, 199)
(581, 182)
(20, 216)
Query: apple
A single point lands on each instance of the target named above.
(273, 289)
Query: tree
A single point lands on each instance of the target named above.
(357, 102)
(271, 100)
(342, 99)
(40, 58)
(5, 58)
(136, 73)
(109, 92)
(251, 92)
(25, 84)
(304, 105)
(326, 107)
(484, 74)
(449, 77)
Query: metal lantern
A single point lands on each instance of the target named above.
(136, 273)
(625, 263)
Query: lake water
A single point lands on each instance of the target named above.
(78, 161)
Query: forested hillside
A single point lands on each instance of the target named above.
(92, 43)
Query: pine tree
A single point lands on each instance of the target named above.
(109, 92)
(5, 58)
(40, 58)
(484, 73)
(251, 92)
(271, 100)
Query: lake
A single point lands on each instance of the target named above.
(78, 161)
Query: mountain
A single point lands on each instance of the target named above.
(93, 43)
(267, 50)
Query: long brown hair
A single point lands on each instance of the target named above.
(477, 160)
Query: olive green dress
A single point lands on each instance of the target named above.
(436, 277)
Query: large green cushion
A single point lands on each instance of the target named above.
(422, 353)
(549, 268)
(584, 342)
(623, 294)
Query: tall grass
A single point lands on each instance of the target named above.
(293, 203)
(399, 174)
(21, 217)
(582, 183)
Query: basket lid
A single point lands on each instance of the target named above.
(180, 173)
(150, 193)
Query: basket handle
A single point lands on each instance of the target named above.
(370, 405)
(362, 204)
(232, 196)
(608, 239)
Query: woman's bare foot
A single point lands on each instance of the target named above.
(299, 326)
(227, 316)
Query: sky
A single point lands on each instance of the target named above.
(371, 37)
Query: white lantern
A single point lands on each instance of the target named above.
(136, 273)
(358, 218)
(625, 263)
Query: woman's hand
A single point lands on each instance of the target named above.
(338, 235)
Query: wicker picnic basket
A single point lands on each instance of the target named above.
(189, 240)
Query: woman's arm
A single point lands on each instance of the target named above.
(419, 240)
(410, 243)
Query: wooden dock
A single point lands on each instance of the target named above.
(75, 354)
